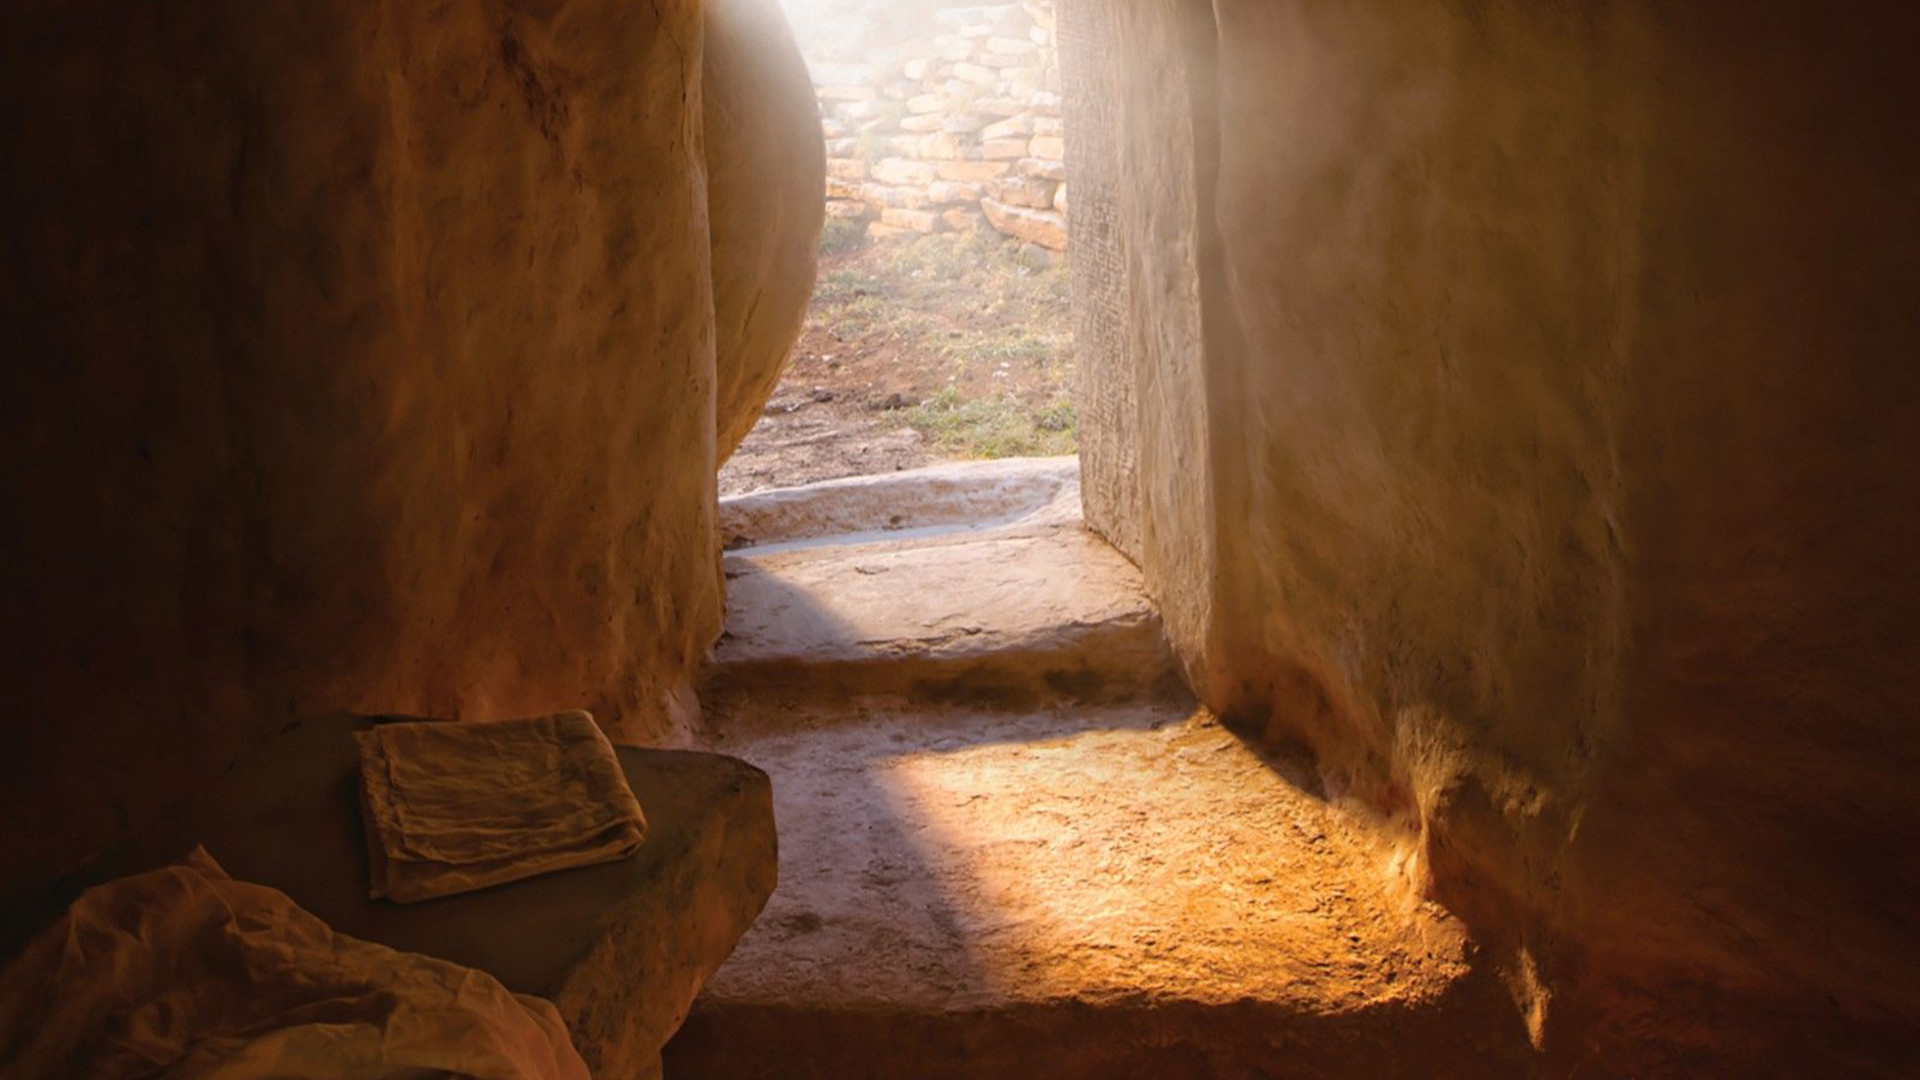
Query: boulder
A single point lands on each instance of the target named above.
(364, 358)
(765, 168)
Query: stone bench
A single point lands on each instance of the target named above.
(620, 948)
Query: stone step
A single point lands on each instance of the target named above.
(1110, 891)
(969, 583)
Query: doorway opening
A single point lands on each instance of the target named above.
(1011, 841)
(939, 329)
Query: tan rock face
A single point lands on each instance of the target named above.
(358, 357)
(1552, 454)
(765, 163)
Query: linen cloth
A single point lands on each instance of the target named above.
(450, 807)
(183, 973)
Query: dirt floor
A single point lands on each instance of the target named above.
(915, 351)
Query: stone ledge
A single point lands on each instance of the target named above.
(621, 948)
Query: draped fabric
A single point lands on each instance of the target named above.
(183, 973)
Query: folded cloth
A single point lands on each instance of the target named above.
(452, 807)
(183, 973)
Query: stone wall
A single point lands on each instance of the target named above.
(956, 129)
(1105, 391)
(359, 357)
(1560, 479)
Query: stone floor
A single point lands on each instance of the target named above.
(950, 583)
(1078, 877)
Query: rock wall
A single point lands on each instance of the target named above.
(1561, 480)
(1103, 363)
(359, 357)
(954, 130)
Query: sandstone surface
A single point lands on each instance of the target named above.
(765, 164)
(1537, 380)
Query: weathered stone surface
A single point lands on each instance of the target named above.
(905, 172)
(921, 111)
(1043, 227)
(971, 172)
(848, 209)
(1049, 148)
(1567, 510)
(1022, 191)
(999, 106)
(1106, 371)
(1003, 149)
(621, 948)
(904, 198)
(942, 147)
(925, 123)
(1009, 890)
(366, 359)
(1043, 610)
(1042, 170)
(765, 164)
(1070, 892)
(952, 191)
(851, 168)
(1011, 128)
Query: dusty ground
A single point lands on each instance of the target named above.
(915, 351)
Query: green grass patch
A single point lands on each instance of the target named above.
(995, 427)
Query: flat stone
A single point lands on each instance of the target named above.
(1043, 227)
(971, 172)
(887, 592)
(1112, 891)
(620, 948)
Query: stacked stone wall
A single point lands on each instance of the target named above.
(956, 130)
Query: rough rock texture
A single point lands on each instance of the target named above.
(358, 356)
(1125, 891)
(1161, 151)
(621, 948)
(1104, 370)
(879, 584)
(955, 497)
(913, 101)
(1561, 481)
(1020, 885)
(766, 173)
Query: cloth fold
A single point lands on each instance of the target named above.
(183, 973)
(452, 807)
